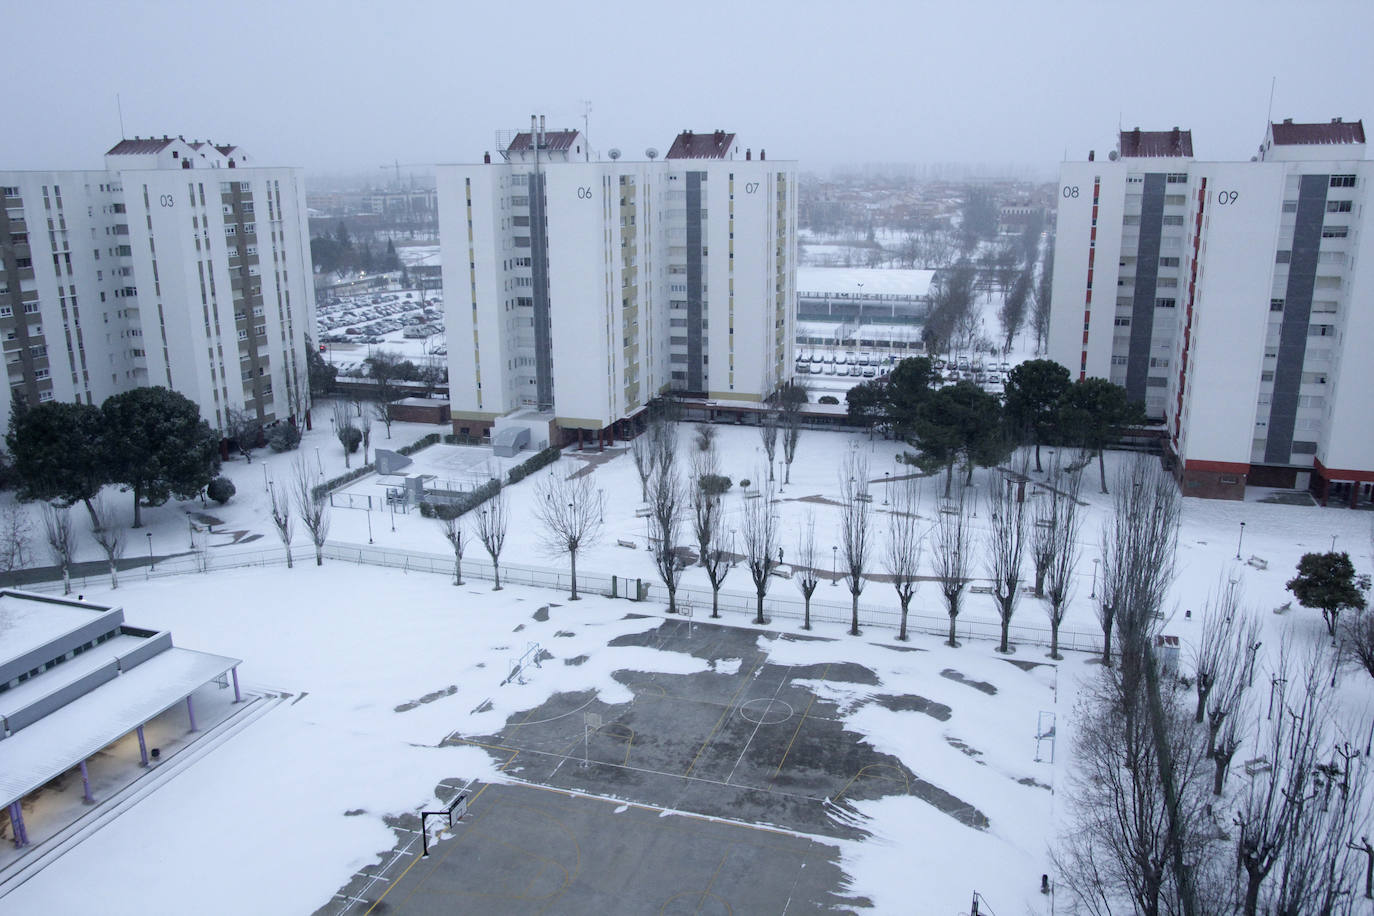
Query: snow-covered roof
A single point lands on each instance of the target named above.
(69, 672)
(29, 621)
(62, 739)
(863, 281)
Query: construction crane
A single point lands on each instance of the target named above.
(396, 164)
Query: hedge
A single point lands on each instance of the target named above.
(533, 463)
(424, 442)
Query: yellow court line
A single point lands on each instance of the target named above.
(729, 706)
(874, 766)
(798, 731)
(709, 884)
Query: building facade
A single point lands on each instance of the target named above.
(590, 287)
(1234, 300)
(180, 264)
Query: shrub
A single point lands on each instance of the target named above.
(352, 438)
(706, 434)
(744, 483)
(533, 463)
(422, 442)
(221, 489)
(714, 484)
(828, 399)
(284, 438)
(462, 503)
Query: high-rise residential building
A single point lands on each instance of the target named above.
(180, 264)
(1234, 300)
(578, 290)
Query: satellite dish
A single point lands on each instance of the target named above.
(1113, 155)
(614, 154)
(651, 153)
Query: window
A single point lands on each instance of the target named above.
(1290, 206)
(1304, 448)
(1276, 305)
(1266, 376)
(1283, 257)
(1159, 362)
(1175, 200)
(45, 395)
(1118, 360)
(1339, 206)
(1335, 232)
(1153, 382)
(1165, 303)
(1123, 322)
(1342, 181)
(1176, 178)
(1173, 221)
(1168, 262)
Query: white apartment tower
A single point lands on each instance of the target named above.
(1234, 300)
(180, 264)
(590, 287)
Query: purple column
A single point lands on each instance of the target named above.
(190, 711)
(235, 672)
(86, 785)
(142, 746)
(21, 836)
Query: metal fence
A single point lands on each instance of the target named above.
(824, 608)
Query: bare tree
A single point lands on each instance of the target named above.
(805, 573)
(1059, 517)
(367, 437)
(663, 437)
(571, 512)
(791, 398)
(1006, 550)
(645, 459)
(1211, 652)
(1115, 856)
(311, 505)
(904, 542)
(15, 534)
(242, 428)
(951, 560)
(856, 510)
(452, 526)
(108, 535)
(345, 430)
(1295, 819)
(61, 537)
(665, 529)
(1139, 548)
(705, 437)
(705, 498)
(759, 527)
(1357, 636)
(281, 518)
(492, 521)
(768, 432)
(718, 558)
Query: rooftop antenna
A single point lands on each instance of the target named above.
(119, 106)
(1269, 115)
(586, 115)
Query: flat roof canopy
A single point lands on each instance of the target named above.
(59, 741)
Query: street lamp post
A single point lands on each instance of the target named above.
(834, 566)
(887, 485)
(1094, 591)
(152, 564)
(1241, 540)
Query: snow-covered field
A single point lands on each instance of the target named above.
(260, 824)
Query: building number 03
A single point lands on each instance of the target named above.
(167, 200)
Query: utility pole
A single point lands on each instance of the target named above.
(586, 120)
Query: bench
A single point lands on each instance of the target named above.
(623, 543)
(752, 494)
(980, 589)
(643, 513)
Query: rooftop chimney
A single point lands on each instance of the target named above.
(1288, 120)
(763, 154)
(1092, 154)
(541, 131)
(748, 154)
(486, 158)
(1335, 120)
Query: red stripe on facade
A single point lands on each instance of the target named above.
(1342, 474)
(1188, 313)
(1220, 467)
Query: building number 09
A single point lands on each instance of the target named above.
(1227, 197)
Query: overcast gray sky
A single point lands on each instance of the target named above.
(348, 86)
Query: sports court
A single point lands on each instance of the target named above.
(688, 798)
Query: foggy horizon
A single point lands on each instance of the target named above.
(352, 89)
